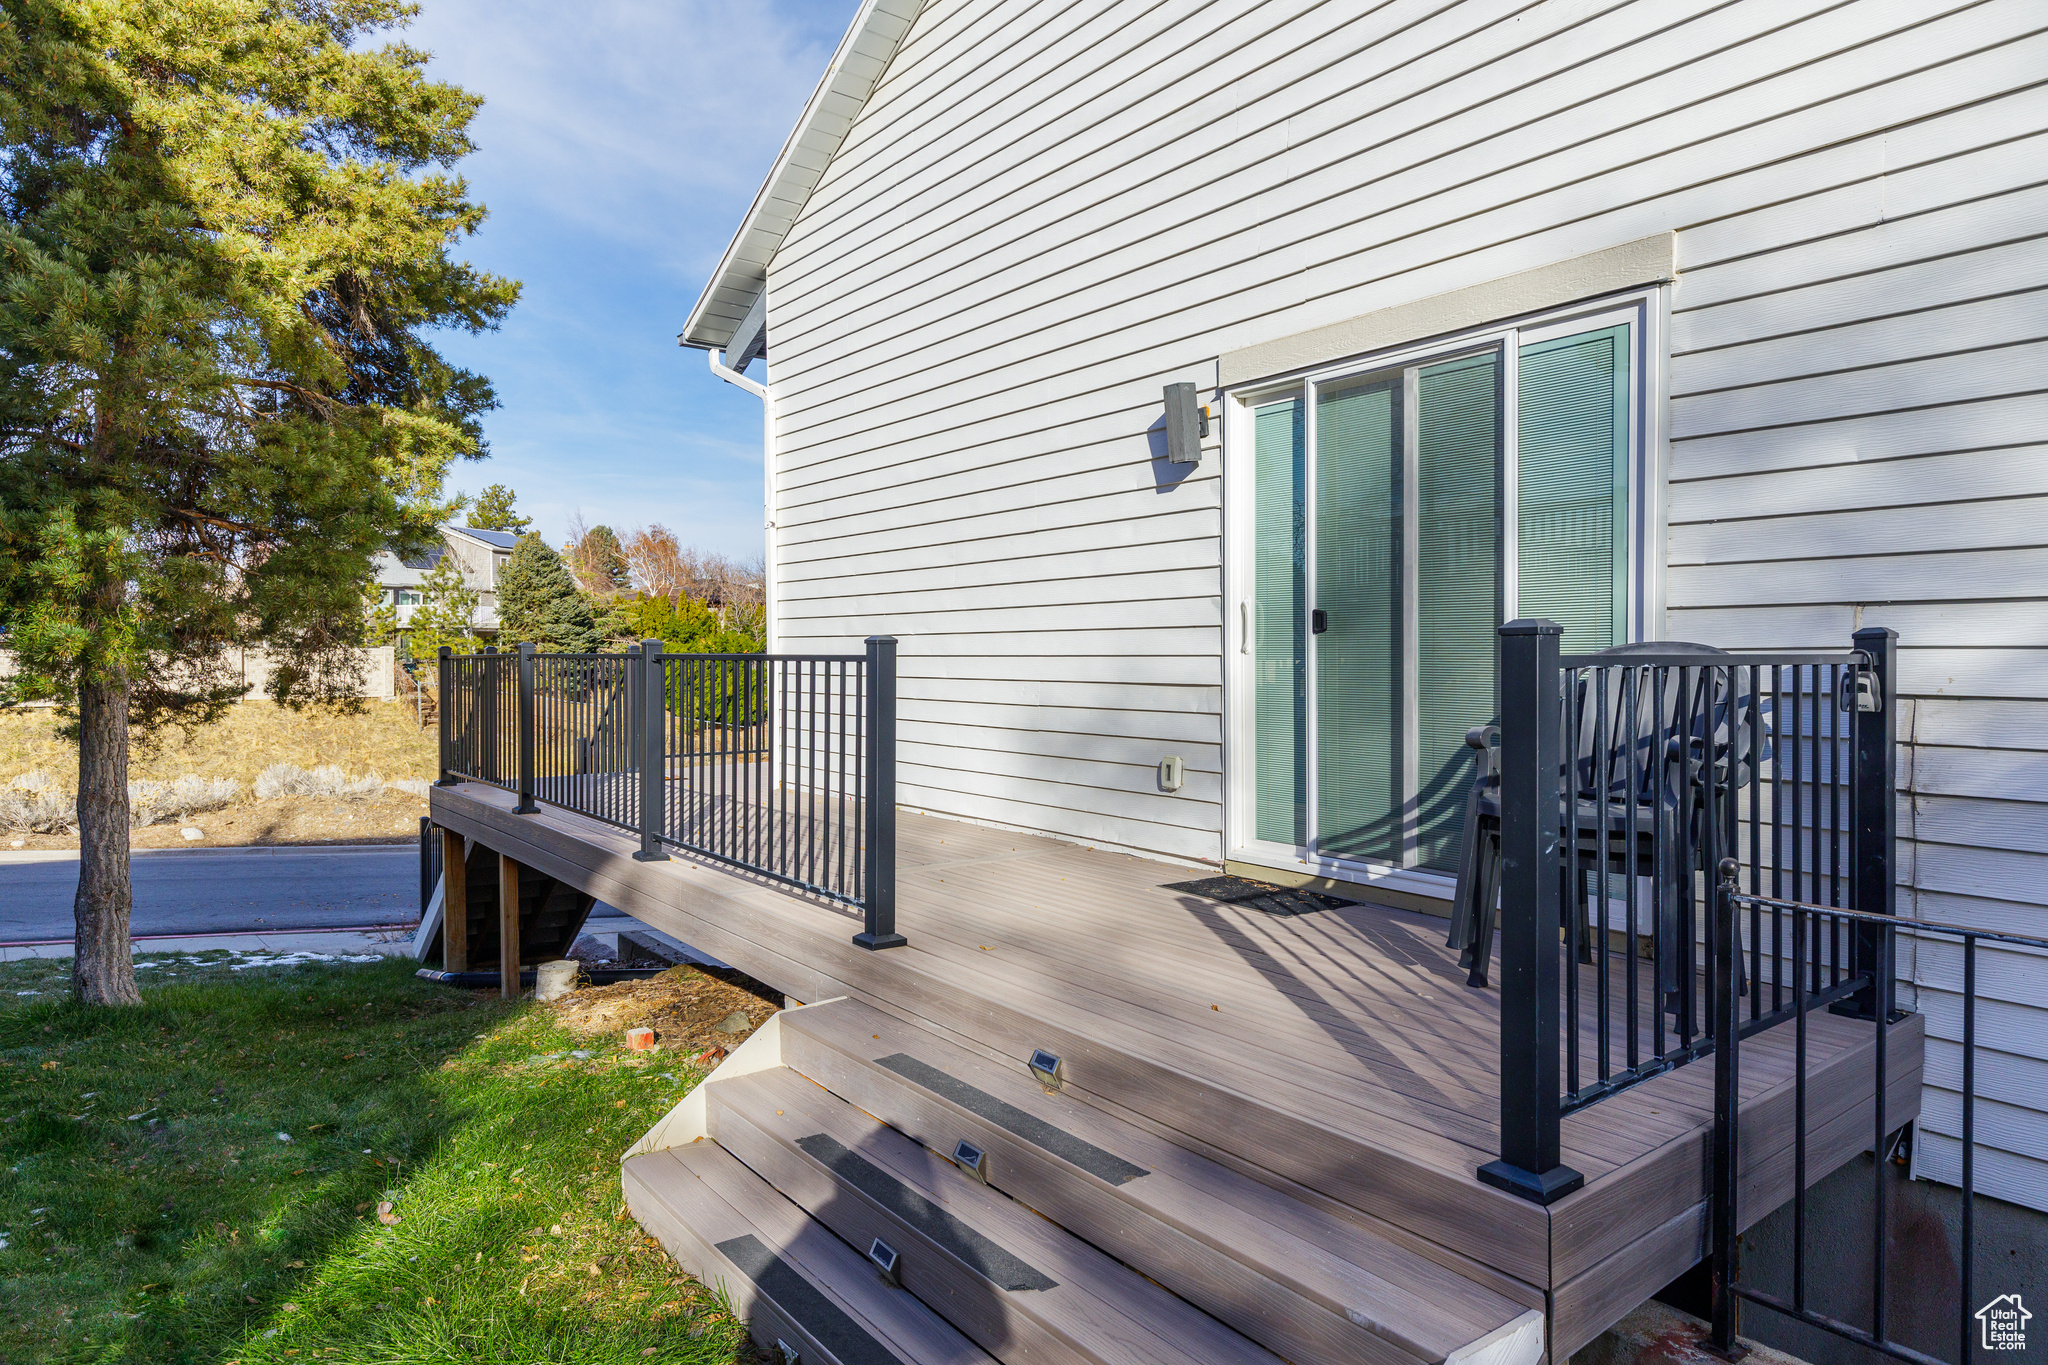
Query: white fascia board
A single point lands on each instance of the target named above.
(863, 55)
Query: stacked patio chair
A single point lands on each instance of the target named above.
(1610, 765)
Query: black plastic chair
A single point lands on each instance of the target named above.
(1611, 765)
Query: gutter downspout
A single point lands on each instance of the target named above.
(768, 575)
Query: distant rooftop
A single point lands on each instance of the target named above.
(425, 561)
(504, 540)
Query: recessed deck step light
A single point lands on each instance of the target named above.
(971, 1159)
(885, 1259)
(1047, 1069)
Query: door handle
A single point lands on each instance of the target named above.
(1318, 621)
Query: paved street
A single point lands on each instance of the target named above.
(232, 890)
(218, 890)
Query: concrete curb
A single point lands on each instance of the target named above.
(356, 940)
(60, 855)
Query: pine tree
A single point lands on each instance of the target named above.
(380, 615)
(224, 231)
(538, 600)
(494, 512)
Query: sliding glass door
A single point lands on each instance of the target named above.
(1398, 515)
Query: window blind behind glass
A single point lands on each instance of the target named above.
(1358, 585)
(1572, 521)
(1280, 675)
(1458, 587)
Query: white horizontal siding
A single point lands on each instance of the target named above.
(1045, 211)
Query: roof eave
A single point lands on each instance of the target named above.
(862, 56)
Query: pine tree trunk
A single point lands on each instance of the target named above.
(103, 969)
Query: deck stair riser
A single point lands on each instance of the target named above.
(1315, 1289)
(1018, 1285)
(785, 1274)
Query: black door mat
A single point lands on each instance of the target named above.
(1260, 896)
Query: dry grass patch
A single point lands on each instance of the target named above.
(384, 738)
(323, 798)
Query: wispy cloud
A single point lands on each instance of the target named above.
(619, 144)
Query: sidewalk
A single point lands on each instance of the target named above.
(389, 941)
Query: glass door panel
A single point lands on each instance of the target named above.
(1361, 796)
(1572, 521)
(1458, 587)
(1381, 521)
(1279, 609)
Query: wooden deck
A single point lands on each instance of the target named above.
(1337, 1056)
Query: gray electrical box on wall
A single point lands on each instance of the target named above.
(1187, 422)
(1170, 773)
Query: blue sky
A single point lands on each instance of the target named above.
(620, 141)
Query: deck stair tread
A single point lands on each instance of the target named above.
(785, 1273)
(1016, 1283)
(1310, 1285)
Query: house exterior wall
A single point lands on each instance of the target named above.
(479, 563)
(1045, 212)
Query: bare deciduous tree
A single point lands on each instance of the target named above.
(664, 567)
(596, 558)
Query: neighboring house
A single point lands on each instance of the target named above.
(1765, 281)
(482, 556)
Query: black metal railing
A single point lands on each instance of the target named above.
(781, 764)
(1810, 927)
(1626, 777)
(480, 717)
(584, 757)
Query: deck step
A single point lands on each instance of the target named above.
(1013, 1282)
(1314, 1288)
(798, 1286)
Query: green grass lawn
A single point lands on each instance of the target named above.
(198, 1179)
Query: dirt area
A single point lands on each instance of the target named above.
(685, 1007)
(391, 818)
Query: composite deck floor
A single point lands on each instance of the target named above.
(1256, 1037)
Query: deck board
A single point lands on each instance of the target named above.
(1338, 1053)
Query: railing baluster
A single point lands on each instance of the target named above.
(1633, 684)
(1799, 937)
(1573, 702)
(1969, 1227)
(1603, 791)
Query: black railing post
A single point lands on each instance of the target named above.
(879, 869)
(445, 719)
(526, 806)
(652, 751)
(1873, 832)
(1531, 902)
(1723, 1226)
